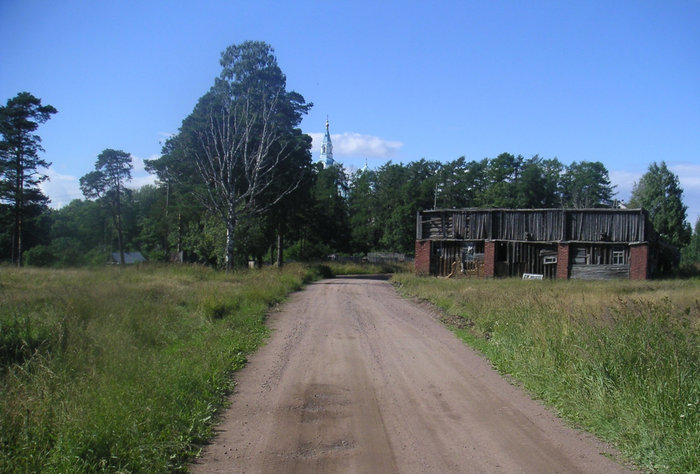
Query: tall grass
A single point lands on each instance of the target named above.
(123, 369)
(621, 359)
(352, 268)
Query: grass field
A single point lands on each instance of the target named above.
(124, 369)
(621, 359)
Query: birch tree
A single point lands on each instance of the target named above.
(241, 140)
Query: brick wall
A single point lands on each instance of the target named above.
(639, 262)
(489, 259)
(422, 260)
(563, 262)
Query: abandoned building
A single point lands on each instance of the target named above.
(536, 243)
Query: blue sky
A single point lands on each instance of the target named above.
(610, 81)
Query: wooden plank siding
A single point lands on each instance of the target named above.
(600, 272)
(597, 241)
(538, 225)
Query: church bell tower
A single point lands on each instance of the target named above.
(327, 149)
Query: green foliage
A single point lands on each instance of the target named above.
(20, 173)
(124, 370)
(239, 152)
(620, 359)
(659, 192)
(329, 219)
(402, 190)
(304, 251)
(39, 256)
(64, 252)
(327, 212)
(349, 268)
(586, 185)
(538, 185)
(690, 255)
(106, 184)
(204, 241)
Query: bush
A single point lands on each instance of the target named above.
(40, 256)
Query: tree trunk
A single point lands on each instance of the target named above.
(19, 237)
(19, 204)
(179, 233)
(280, 249)
(230, 234)
(119, 227)
(122, 260)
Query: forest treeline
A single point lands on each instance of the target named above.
(333, 212)
(238, 183)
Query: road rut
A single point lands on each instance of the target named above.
(355, 379)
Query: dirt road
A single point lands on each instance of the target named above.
(357, 380)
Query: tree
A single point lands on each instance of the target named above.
(83, 221)
(586, 185)
(330, 222)
(403, 190)
(503, 173)
(363, 208)
(538, 184)
(240, 138)
(690, 255)
(20, 162)
(659, 192)
(459, 184)
(106, 183)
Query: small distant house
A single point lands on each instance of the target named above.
(540, 243)
(129, 258)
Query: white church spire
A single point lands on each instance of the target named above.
(327, 149)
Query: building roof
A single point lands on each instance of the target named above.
(129, 258)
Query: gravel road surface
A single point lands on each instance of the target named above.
(355, 379)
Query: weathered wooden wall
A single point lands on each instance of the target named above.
(543, 225)
(599, 272)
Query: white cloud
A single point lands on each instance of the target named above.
(688, 177)
(356, 144)
(60, 188)
(139, 176)
(624, 180)
(63, 188)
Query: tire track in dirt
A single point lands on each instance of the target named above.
(356, 379)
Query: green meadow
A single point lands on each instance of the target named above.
(123, 370)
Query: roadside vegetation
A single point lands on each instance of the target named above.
(620, 359)
(350, 268)
(124, 369)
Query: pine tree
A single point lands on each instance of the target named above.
(20, 162)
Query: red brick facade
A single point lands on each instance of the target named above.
(563, 262)
(489, 259)
(639, 262)
(422, 260)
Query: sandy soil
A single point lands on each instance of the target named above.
(356, 379)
